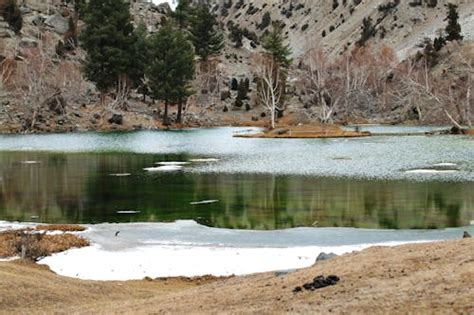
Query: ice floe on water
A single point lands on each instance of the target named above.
(186, 248)
(30, 162)
(121, 174)
(388, 157)
(204, 160)
(173, 163)
(438, 168)
(164, 168)
(128, 212)
(445, 164)
(203, 202)
(429, 171)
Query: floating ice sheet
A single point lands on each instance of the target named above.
(165, 168)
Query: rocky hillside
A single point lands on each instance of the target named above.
(43, 89)
(335, 26)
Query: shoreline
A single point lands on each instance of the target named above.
(306, 131)
(406, 278)
(120, 252)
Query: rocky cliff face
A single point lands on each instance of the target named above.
(335, 25)
(332, 27)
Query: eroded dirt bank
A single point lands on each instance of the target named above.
(434, 277)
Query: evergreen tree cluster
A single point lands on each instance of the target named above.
(171, 68)
(242, 88)
(161, 65)
(109, 40)
(453, 29)
(237, 34)
(452, 32)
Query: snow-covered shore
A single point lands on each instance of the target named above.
(186, 248)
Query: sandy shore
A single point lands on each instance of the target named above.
(435, 277)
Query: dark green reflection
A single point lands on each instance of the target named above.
(77, 188)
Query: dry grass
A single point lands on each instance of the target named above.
(28, 288)
(37, 244)
(419, 278)
(306, 131)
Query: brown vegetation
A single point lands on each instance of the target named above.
(370, 82)
(27, 243)
(417, 278)
(306, 131)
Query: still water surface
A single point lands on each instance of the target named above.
(256, 183)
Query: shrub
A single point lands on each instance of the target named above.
(12, 15)
(266, 21)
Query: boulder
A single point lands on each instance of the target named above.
(58, 23)
(318, 283)
(164, 8)
(24, 10)
(325, 256)
(5, 31)
(116, 119)
(28, 43)
(225, 95)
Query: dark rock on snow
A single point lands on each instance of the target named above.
(324, 256)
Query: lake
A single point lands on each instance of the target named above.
(419, 182)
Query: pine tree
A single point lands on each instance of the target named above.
(109, 42)
(171, 68)
(206, 37)
(182, 13)
(242, 90)
(430, 54)
(453, 29)
(368, 30)
(141, 58)
(273, 43)
(234, 84)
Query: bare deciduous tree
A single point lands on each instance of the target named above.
(270, 86)
(41, 80)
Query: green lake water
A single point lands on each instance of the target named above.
(257, 183)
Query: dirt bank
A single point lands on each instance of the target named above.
(407, 279)
(305, 132)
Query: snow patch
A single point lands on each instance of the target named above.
(172, 163)
(121, 174)
(203, 202)
(95, 263)
(429, 171)
(165, 168)
(30, 162)
(445, 164)
(204, 160)
(128, 212)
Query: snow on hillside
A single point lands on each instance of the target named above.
(172, 3)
